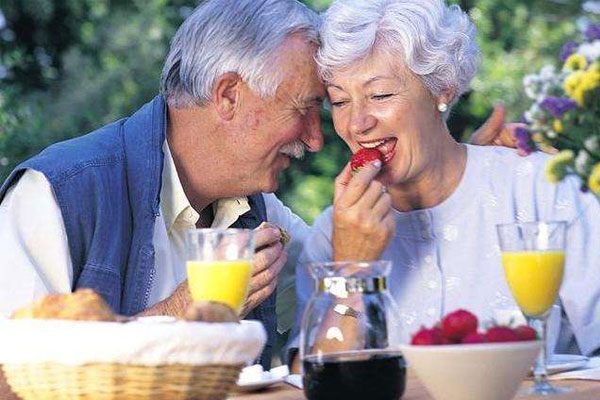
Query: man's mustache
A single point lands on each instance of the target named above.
(295, 149)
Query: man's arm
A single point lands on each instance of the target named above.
(34, 255)
(34, 251)
(175, 305)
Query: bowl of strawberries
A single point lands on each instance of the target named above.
(455, 360)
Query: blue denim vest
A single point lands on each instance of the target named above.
(107, 185)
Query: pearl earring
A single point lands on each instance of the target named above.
(443, 107)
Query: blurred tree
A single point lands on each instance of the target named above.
(70, 66)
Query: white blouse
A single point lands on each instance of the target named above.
(448, 257)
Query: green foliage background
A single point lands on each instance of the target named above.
(70, 66)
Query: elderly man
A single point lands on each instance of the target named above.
(240, 97)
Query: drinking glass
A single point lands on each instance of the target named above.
(349, 336)
(219, 265)
(533, 258)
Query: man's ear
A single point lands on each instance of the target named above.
(226, 94)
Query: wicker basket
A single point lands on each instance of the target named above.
(48, 381)
(141, 359)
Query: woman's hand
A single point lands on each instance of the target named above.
(363, 219)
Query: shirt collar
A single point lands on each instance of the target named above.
(177, 210)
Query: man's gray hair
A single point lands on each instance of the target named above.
(436, 42)
(240, 36)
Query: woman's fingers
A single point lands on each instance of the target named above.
(355, 187)
(382, 207)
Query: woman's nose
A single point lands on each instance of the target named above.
(361, 121)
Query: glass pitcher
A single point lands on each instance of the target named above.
(350, 334)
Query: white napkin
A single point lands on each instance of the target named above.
(294, 380)
(590, 371)
(255, 374)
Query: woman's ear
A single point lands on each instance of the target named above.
(226, 95)
(447, 96)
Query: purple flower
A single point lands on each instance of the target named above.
(592, 32)
(523, 119)
(558, 105)
(568, 49)
(523, 140)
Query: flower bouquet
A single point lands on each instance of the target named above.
(565, 114)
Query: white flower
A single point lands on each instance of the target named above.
(534, 113)
(547, 72)
(583, 162)
(532, 86)
(3, 161)
(592, 143)
(582, 24)
(551, 134)
(592, 6)
(591, 51)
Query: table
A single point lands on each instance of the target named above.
(582, 390)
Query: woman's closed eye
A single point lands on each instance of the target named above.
(337, 103)
(382, 96)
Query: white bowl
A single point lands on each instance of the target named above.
(491, 371)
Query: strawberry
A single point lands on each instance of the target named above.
(474, 337)
(364, 157)
(438, 328)
(497, 334)
(426, 337)
(459, 324)
(525, 332)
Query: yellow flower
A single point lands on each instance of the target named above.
(578, 83)
(557, 125)
(575, 62)
(594, 180)
(556, 167)
(590, 79)
(572, 86)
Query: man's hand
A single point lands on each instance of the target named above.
(269, 259)
(495, 132)
(175, 305)
(363, 219)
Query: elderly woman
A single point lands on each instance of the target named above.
(393, 69)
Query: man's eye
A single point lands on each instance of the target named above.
(382, 96)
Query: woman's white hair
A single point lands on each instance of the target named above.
(435, 41)
(240, 36)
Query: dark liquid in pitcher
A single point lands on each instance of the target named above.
(360, 376)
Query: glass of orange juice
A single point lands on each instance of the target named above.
(219, 265)
(533, 257)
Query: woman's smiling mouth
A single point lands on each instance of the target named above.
(386, 146)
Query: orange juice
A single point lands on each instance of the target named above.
(534, 278)
(222, 281)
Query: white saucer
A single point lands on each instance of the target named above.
(565, 362)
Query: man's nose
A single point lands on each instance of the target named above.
(312, 136)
